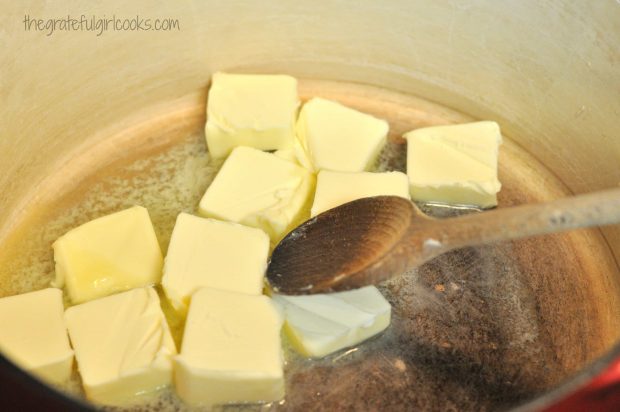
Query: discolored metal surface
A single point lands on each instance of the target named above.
(465, 335)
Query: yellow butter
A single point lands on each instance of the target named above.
(33, 334)
(287, 154)
(331, 136)
(260, 190)
(215, 254)
(122, 345)
(336, 188)
(251, 110)
(454, 164)
(110, 254)
(321, 324)
(231, 350)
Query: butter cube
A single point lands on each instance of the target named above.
(321, 324)
(336, 188)
(454, 164)
(215, 254)
(33, 334)
(251, 110)
(231, 350)
(287, 154)
(331, 136)
(260, 190)
(110, 254)
(122, 345)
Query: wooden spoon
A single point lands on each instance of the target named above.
(369, 240)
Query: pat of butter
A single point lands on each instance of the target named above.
(122, 345)
(319, 325)
(336, 188)
(454, 164)
(33, 334)
(110, 254)
(251, 110)
(260, 190)
(331, 136)
(231, 350)
(287, 154)
(215, 254)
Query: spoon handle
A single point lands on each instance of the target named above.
(593, 209)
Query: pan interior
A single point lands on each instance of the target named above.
(477, 329)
